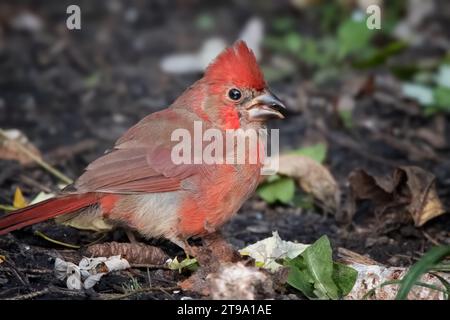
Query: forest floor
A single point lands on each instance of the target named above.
(74, 93)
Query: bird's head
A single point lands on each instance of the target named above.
(236, 92)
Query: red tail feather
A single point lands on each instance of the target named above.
(45, 210)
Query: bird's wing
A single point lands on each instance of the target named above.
(141, 160)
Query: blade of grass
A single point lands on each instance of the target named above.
(433, 256)
(68, 245)
(445, 283)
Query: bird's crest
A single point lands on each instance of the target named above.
(237, 65)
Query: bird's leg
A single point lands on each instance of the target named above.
(130, 235)
(183, 244)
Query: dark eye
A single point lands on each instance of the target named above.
(234, 94)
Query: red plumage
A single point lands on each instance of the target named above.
(45, 210)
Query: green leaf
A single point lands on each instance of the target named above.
(379, 56)
(431, 258)
(319, 262)
(300, 278)
(92, 80)
(204, 22)
(281, 189)
(344, 277)
(283, 23)
(353, 36)
(317, 152)
(347, 118)
(442, 98)
(305, 201)
(293, 42)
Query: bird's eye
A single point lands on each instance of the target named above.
(234, 94)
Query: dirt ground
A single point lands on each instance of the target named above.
(74, 93)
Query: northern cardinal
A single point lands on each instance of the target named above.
(137, 184)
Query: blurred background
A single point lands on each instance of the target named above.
(357, 98)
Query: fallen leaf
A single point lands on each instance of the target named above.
(319, 263)
(277, 189)
(267, 251)
(135, 253)
(408, 189)
(317, 152)
(42, 196)
(2, 258)
(10, 147)
(316, 275)
(313, 178)
(19, 200)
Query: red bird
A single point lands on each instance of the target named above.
(137, 184)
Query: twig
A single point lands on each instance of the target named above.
(33, 183)
(431, 239)
(19, 275)
(29, 296)
(143, 290)
(68, 245)
(68, 152)
(32, 271)
(38, 160)
(150, 266)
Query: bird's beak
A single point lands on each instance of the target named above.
(265, 106)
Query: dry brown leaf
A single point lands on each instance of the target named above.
(409, 189)
(134, 253)
(9, 149)
(313, 178)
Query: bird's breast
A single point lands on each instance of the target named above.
(216, 199)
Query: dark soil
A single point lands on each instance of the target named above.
(73, 93)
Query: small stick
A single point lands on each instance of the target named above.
(29, 296)
(143, 290)
(431, 239)
(38, 160)
(150, 266)
(33, 183)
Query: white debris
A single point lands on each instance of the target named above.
(89, 271)
(373, 276)
(443, 76)
(236, 281)
(42, 196)
(266, 251)
(252, 34)
(27, 21)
